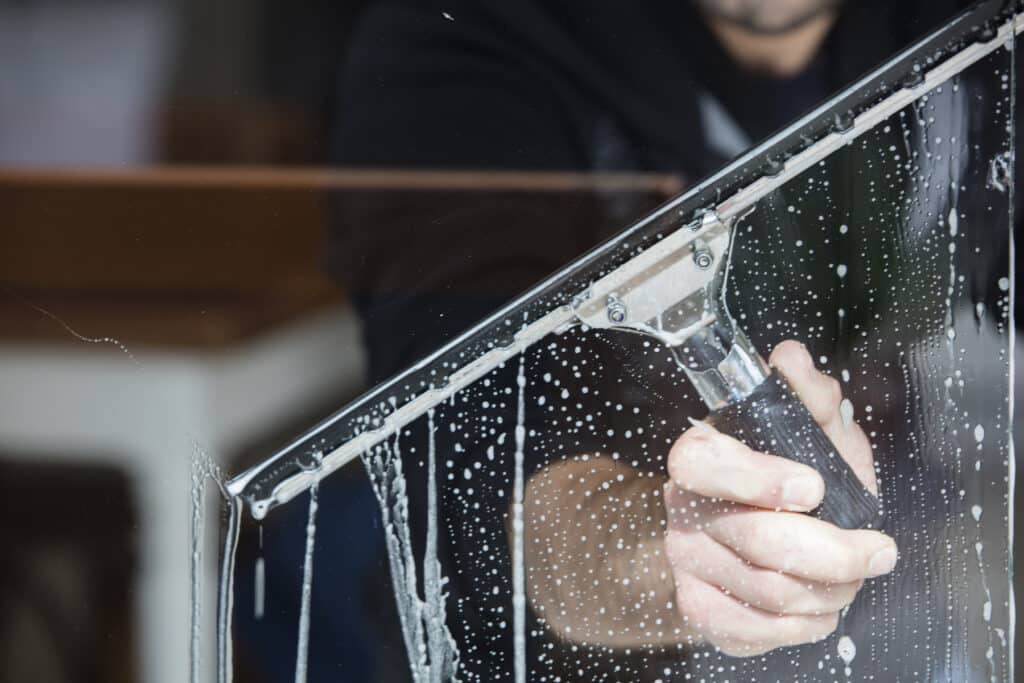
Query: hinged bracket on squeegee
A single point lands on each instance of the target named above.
(675, 292)
(669, 284)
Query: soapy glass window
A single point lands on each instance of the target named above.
(889, 260)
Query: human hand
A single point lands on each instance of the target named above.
(753, 573)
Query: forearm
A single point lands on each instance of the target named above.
(596, 568)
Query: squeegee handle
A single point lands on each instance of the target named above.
(773, 420)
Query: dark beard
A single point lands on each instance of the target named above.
(750, 20)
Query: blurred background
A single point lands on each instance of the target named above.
(167, 308)
(157, 296)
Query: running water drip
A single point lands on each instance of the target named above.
(953, 223)
(439, 640)
(986, 610)
(196, 534)
(226, 591)
(302, 649)
(847, 650)
(259, 599)
(518, 554)
(203, 468)
(433, 652)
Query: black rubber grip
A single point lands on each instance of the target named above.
(773, 420)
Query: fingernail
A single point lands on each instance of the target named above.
(702, 426)
(802, 357)
(882, 562)
(805, 357)
(804, 491)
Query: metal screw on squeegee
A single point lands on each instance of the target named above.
(616, 310)
(842, 121)
(773, 167)
(914, 78)
(702, 255)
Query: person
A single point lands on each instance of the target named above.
(721, 554)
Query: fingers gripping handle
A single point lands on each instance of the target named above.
(772, 419)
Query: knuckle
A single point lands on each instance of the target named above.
(682, 458)
(826, 403)
(859, 450)
(780, 593)
(677, 549)
(832, 623)
(753, 531)
(674, 501)
(846, 563)
(845, 566)
(844, 594)
(693, 610)
(734, 534)
(673, 545)
(835, 392)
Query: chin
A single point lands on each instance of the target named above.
(768, 16)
